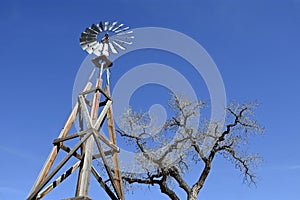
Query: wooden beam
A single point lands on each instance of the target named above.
(81, 133)
(108, 170)
(53, 153)
(82, 148)
(102, 115)
(59, 180)
(84, 181)
(85, 111)
(85, 172)
(80, 119)
(78, 156)
(103, 184)
(106, 153)
(94, 90)
(88, 91)
(112, 135)
(33, 195)
(106, 141)
(96, 100)
(78, 198)
(67, 149)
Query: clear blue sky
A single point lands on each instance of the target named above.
(255, 44)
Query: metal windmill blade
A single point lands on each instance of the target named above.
(112, 25)
(106, 24)
(122, 36)
(105, 38)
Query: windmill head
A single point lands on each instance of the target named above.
(105, 38)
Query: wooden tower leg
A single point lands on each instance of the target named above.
(85, 172)
(112, 135)
(88, 149)
(53, 153)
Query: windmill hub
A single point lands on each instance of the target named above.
(105, 39)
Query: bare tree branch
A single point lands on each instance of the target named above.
(174, 172)
(189, 142)
(153, 179)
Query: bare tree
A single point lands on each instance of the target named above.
(182, 143)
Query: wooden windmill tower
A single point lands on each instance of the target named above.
(93, 108)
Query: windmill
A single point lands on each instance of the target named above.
(93, 110)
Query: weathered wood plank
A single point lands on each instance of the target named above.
(86, 168)
(94, 90)
(103, 184)
(108, 170)
(85, 172)
(67, 149)
(85, 111)
(81, 133)
(102, 115)
(96, 100)
(106, 153)
(88, 91)
(112, 135)
(59, 180)
(80, 119)
(78, 198)
(106, 141)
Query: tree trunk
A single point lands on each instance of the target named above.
(199, 184)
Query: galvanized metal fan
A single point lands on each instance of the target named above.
(98, 39)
